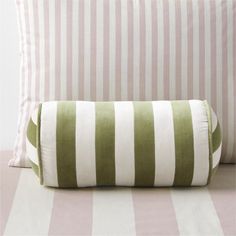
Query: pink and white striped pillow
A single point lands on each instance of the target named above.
(128, 50)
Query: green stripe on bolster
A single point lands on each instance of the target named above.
(184, 146)
(144, 144)
(31, 132)
(39, 145)
(65, 144)
(34, 167)
(105, 143)
(216, 137)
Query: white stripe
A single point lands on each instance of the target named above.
(124, 144)
(32, 152)
(231, 98)
(201, 146)
(99, 58)
(75, 49)
(52, 81)
(195, 212)
(63, 50)
(24, 92)
(164, 143)
(48, 143)
(148, 50)
(31, 209)
(32, 51)
(136, 56)
(124, 50)
(113, 213)
(195, 10)
(85, 144)
(184, 46)
(219, 59)
(87, 36)
(216, 156)
(112, 43)
(172, 68)
(207, 24)
(41, 51)
(160, 51)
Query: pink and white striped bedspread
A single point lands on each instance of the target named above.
(30, 209)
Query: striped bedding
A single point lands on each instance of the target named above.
(100, 50)
(30, 209)
(159, 143)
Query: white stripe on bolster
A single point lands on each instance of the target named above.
(213, 120)
(34, 116)
(216, 156)
(32, 153)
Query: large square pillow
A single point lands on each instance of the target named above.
(99, 50)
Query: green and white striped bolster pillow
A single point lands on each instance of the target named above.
(159, 143)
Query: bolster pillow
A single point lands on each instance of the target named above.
(160, 143)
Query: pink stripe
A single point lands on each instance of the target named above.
(118, 50)
(201, 49)
(190, 48)
(142, 49)
(234, 75)
(166, 49)
(69, 48)
(72, 213)
(224, 76)
(213, 54)
(178, 48)
(130, 50)
(8, 183)
(150, 204)
(93, 50)
(58, 49)
(46, 50)
(223, 195)
(106, 50)
(81, 50)
(154, 49)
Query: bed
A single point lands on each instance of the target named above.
(27, 208)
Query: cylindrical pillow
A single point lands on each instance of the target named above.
(160, 143)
